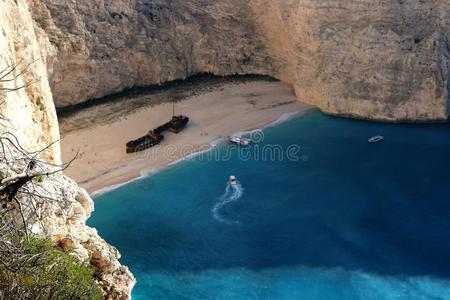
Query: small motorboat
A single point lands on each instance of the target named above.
(376, 139)
(240, 141)
(232, 180)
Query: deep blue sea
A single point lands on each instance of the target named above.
(347, 220)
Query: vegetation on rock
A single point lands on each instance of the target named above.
(32, 268)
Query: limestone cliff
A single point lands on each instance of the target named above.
(384, 60)
(33, 105)
(29, 108)
(105, 46)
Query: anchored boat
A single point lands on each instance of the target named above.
(376, 139)
(239, 141)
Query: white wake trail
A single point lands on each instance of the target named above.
(232, 194)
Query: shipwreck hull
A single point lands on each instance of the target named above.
(154, 137)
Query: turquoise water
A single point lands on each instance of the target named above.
(347, 221)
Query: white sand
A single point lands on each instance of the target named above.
(102, 160)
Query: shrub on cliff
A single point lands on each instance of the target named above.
(31, 268)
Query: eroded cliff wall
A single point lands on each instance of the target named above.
(105, 46)
(61, 208)
(384, 60)
(30, 110)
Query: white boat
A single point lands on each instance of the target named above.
(240, 141)
(232, 180)
(376, 139)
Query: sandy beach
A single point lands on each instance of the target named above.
(215, 113)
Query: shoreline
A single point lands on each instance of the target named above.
(286, 117)
(235, 108)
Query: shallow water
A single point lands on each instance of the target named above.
(348, 220)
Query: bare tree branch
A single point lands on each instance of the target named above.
(11, 69)
(23, 197)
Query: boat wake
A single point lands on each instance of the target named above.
(232, 194)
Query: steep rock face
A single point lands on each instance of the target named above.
(383, 60)
(31, 117)
(386, 60)
(33, 104)
(106, 46)
(66, 224)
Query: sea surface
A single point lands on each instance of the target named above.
(340, 219)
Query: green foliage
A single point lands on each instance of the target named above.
(45, 272)
(38, 178)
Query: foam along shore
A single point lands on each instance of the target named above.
(102, 161)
